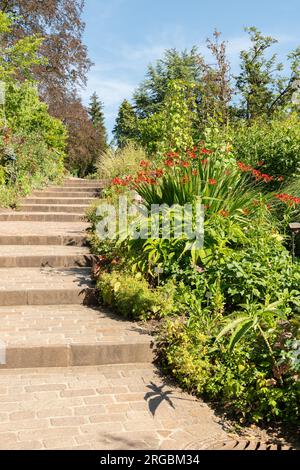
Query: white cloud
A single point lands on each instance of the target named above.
(110, 91)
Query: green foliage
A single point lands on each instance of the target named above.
(31, 141)
(185, 67)
(24, 111)
(254, 374)
(95, 110)
(125, 130)
(263, 92)
(172, 127)
(35, 165)
(132, 297)
(276, 144)
(19, 57)
(96, 114)
(215, 182)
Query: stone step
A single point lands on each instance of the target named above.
(41, 216)
(83, 183)
(70, 335)
(72, 209)
(40, 256)
(64, 201)
(72, 189)
(47, 233)
(57, 193)
(46, 286)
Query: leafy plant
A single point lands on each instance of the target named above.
(132, 297)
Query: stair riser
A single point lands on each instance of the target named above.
(72, 190)
(99, 185)
(55, 201)
(48, 297)
(56, 208)
(43, 218)
(62, 194)
(77, 355)
(49, 261)
(43, 240)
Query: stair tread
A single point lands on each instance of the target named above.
(26, 228)
(43, 325)
(45, 279)
(43, 250)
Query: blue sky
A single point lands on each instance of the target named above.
(124, 36)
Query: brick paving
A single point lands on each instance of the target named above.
(104, 407)
(114, 398)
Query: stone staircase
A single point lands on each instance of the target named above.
(75, 376)
(47, 317)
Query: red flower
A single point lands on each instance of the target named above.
(169, 163)
(118, 182)
(266, 178)
(185, 164)
(191, 154)
(204, 161)
(145, 163)
(212, 181)
(158, 173)
(243, 167)
(151, 181)
(194, 172)
(224, 213)
(288, 199)
(172, 155)
(206, 151)
(257, 174)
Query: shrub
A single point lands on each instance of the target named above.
(30, 163)
(31, 146)
(276, 144)
(202, 176)
(256, 381)
(132, 297)
(117, 163)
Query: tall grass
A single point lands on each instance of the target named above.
(120, 162)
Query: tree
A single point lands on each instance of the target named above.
(209, 83)
(186, 66)
(96, 114)
(85, 143)
(95, 110)
(216, 90)
(263, 90)
(59, 23)
(19, 57)
(172, 128)
(125, 129)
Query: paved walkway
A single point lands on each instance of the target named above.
(104, 407)
(114, 398)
